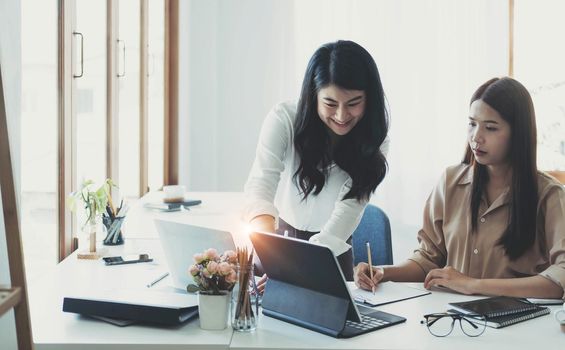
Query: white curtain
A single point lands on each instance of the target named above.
(431, 55)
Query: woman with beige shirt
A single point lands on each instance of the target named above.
(494, 224)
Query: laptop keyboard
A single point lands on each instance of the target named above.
(367, 323)
(371, 320)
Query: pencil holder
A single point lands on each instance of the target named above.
(113, 226)
(245, 303)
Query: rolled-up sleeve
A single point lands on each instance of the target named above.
(432, 252)
(261, 185)
(555, 235)
(343, 221)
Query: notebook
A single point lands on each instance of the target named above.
(386, 293)
(501, 311)
(494, 306)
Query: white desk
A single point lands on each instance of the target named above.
(219, 210)
(53, 329)
(541, 333)
(57, 330)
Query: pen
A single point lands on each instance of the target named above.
(159, 279)
(370, 264)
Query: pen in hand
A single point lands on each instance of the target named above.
(370, 265)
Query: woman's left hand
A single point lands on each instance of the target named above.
(450, 278)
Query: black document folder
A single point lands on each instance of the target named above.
(306, 287)
(160, 308)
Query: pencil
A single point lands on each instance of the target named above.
(370, 264)
(159, 279)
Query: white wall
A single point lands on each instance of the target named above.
(11, 73)
(240, 58)
(231, 74)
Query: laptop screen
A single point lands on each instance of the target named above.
(303, 264)
(180, 241)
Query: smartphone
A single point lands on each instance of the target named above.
(126, 259)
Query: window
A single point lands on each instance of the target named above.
(156, 84)
(539, 60)
(92, 108)
(39, 166)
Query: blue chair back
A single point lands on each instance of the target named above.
(375, 229)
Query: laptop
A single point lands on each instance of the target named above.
(181, 241)
(306, 287)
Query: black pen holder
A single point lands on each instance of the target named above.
(113, 227)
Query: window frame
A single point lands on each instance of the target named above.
(67, 143)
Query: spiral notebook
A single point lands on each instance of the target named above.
(501, 311)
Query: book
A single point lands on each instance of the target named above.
(385, 293)
(510, 319)
(494, 306)
(176, 206)
(149, 306)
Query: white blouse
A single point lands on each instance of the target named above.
(270, 186)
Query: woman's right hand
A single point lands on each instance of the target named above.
(261, 283)
(362, 278)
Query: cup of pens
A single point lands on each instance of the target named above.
(113, 219)
(245, 299)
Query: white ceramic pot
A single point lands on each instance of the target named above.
(213, 310)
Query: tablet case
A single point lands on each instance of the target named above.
(306, 287)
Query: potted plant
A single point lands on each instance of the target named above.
(94, 200)
(214, 276)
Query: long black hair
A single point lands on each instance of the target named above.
(514, 104)
(348, 66)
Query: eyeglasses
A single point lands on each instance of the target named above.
(441, 324)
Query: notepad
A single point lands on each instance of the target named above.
(386, 293)
(501, 311)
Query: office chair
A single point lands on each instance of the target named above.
(375, 229)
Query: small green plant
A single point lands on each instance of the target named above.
(94, 199)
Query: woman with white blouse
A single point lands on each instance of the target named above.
(319, 161)
(494, 224)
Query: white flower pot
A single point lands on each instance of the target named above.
(213, 310)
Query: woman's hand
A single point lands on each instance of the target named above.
(361, 275)
(450, 278)
(261, 283)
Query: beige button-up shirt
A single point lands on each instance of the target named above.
(446, 238)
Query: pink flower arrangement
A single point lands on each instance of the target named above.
(212, 272)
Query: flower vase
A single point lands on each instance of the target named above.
(87, 241)
(245, 302)
(213, 310)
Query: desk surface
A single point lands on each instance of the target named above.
(219, 210)
(57, 330)
(54, 329)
